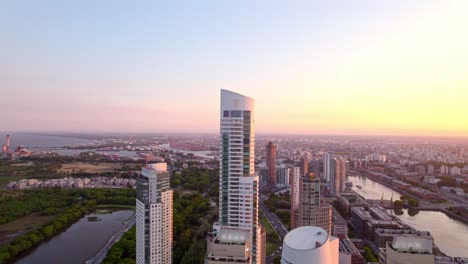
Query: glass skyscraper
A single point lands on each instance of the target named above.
(238, 184)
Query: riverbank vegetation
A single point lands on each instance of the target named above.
(124, 251)
(65, 206)
(412, 202)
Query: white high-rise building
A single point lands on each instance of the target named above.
(238, 184)
(154, 215)
(295, 195)
(283, 174)
(327, 167)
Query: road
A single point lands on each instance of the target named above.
(277, 225)
(99, 257)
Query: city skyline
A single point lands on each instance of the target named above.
(255, 132)
(384, 68)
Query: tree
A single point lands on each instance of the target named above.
(413, 202)
(48, 231)
(277, 260)
(398, 204)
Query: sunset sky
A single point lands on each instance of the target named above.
(313, 67)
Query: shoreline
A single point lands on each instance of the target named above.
(445, 211)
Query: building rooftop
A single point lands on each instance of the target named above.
(380, 213)
(384, 231)
(235, 101)
(337, 218)
(347, 246)
(227, 235)
(412, 243)
(150, 170)
(306, 238)
(362, 212)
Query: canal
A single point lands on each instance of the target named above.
(80, 241)
(450, 235)
(371, 189)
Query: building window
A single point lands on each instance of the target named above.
(226, 114)
(236, 113)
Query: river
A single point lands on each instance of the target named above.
(80, 241)
(371, 189)
(450, 235)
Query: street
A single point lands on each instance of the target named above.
(277, 225)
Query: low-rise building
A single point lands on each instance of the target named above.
(226, 245)
(455, 171)
(431, 180)
(384, 236)
(348, 248)
(366, 220)
(339, 225)
(407, 249)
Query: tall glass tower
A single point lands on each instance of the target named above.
(238, 184)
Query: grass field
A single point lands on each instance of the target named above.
(33, 220)
(21, 225)
(4, 180)
(88, 167)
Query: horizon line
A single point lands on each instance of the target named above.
(58, 133)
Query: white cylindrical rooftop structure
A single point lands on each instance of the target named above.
(309, 244)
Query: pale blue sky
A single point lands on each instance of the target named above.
(158, 66)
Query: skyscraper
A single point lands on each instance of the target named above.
(340, 175)
(238, 195)
(315, 168)
(310, 212)
(304, 165)
(271, 163)
(6, 146)
(327, 167)
(295, 192)
(154, 215)
(7, 143)
(334, 172)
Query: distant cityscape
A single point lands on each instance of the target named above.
(281, 199)
(234, 132)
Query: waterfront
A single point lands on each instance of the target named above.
(80, 241)
(44, 142)
(371, 189)
(451, 239)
